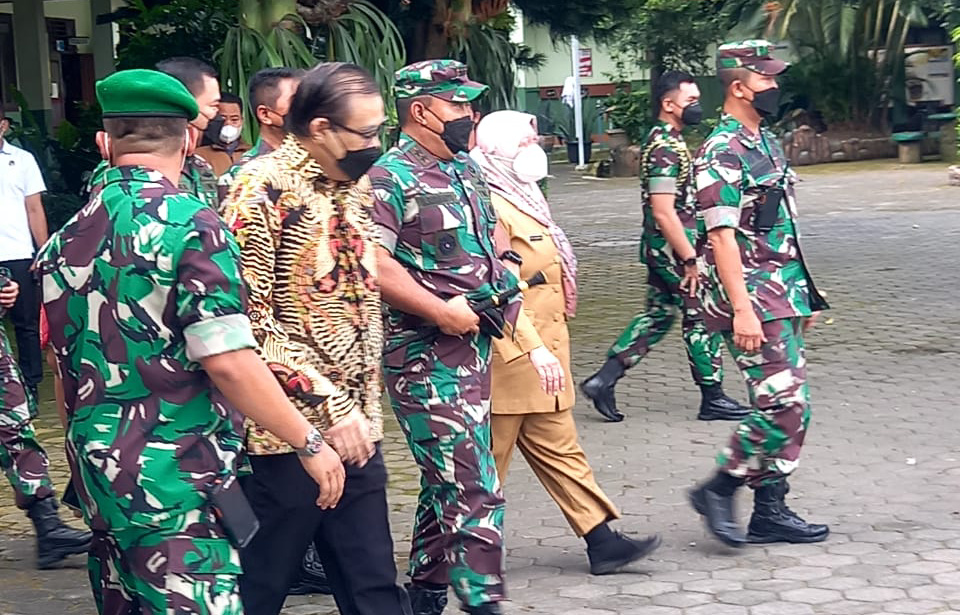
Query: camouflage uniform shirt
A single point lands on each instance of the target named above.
(139, 286)
(733, 167)
(666, 167)
(197, 179)
(446, 246)
(308, 248)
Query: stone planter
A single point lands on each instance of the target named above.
(547, 142)
(617, 138)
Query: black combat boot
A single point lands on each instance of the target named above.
(55, 540)
(716, 406)
(609, 551)
(426, 600)
(773, 521)
(313, 579)
(599, 388)
(714, 500)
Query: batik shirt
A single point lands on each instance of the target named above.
(666, 167)
(197, 179)
(308, 249)
(436, 219)
(260, 148)
(733, 168)
(139, 286)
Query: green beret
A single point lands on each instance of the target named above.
(445, 79)
(145, 93)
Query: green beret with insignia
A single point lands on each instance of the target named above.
(445, 79)
(755, 55)
(145, 93)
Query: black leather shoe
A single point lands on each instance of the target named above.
(599, 388)
(612, 555)
(717, 510)
(55, 540)
(716, 406)
(313, 579)
(425, 601)
(773, 521)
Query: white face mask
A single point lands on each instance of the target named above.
(229, 134)
(531, 163)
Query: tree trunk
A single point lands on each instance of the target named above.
(656, 69)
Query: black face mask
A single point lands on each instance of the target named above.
(211, 133)
(456, 133)
(692, 114)
(766, 102)
(356, 162)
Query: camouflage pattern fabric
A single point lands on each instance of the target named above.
(437, 220)
(188, 568)
(446, 79)
(22, 458)
(666, 167)
(139, 286)
(765, 446)
(664, 298)
(755, 55)
(197, 179)
(733, 168)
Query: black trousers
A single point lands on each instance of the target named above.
(25, 316)
(353, 539)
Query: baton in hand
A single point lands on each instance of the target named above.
(432, 332)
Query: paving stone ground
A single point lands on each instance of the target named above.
(882, 459)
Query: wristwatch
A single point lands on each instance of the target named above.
(690, 262)
(512, 256)
(314, 444)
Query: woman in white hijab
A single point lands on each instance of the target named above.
(531, 394)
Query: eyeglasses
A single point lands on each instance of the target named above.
(367, 135)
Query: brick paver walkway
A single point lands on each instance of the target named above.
(882, 459)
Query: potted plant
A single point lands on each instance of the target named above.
(566, 128)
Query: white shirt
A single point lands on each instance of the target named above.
(19, 178)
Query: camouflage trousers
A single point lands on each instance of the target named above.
(186, 567)
(444, 412)
(664, 298)
(22, 458)
(765, 446)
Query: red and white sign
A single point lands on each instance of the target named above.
(586, 62)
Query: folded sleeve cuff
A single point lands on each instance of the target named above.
(213, 336)
(662, 185)
(720, 216)
(388, 239)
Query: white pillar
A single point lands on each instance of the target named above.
(577, 102)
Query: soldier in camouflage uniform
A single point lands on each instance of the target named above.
(436, 221)
(197, 176)
(760, 296)
(22, 458)
(146, 307)
(671, 228)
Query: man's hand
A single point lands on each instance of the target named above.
(327, 470)
(748, 331)
(810, 321)
(550, 370)
(456, 317)
(691, 278)
(8, 294)
(350, 437)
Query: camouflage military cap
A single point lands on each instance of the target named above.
(755, 55)
(145, 93)
(445, 79)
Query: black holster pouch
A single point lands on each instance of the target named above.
(492, 322)
(767, 209)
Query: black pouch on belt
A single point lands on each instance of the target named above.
(233, 511)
